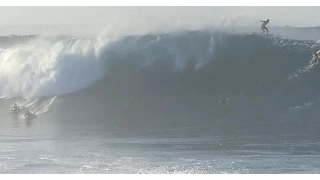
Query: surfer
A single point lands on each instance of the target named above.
(263, 25)
(28, 114)
(15, 107)
(316, 57)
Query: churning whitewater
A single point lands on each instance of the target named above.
(46, 67)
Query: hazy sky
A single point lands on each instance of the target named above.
(91, 20)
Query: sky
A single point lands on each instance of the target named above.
(91, 20)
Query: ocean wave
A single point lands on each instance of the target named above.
(48, 67)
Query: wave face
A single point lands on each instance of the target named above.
(169, 78)
(202, 77)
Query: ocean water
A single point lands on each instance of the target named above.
(185, 102)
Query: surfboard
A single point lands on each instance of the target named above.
(14, 111)
(262, 35)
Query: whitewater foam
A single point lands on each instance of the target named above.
(43, 67)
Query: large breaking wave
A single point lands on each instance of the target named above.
(45, 67)
(190, 76)
(176, 79)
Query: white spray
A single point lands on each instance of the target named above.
(44, 67)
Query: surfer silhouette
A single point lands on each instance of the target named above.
(15, 107)
(316, 56)
(28, 114)
(263, 25)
